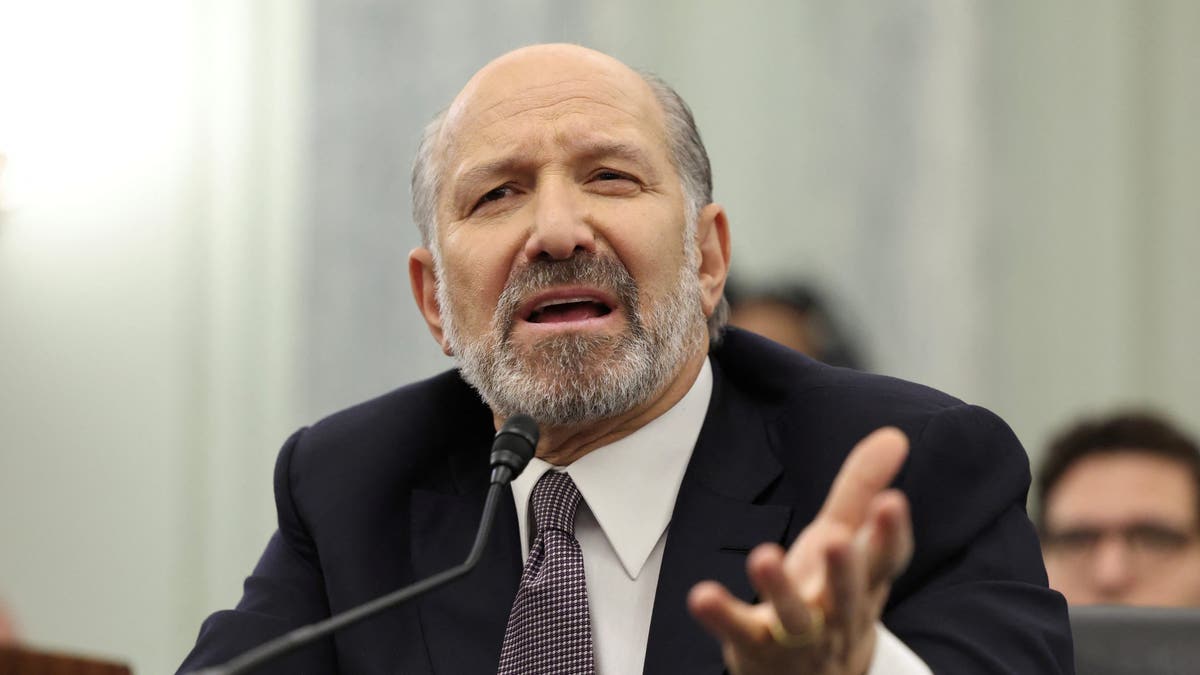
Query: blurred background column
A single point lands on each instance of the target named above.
(148, 302)
(1093, 217)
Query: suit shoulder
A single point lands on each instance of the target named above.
(417, 417)
(420, 402)
(784, 380)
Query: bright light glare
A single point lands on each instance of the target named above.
(89, 92)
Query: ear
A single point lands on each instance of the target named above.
(424, 287)
(712, 238)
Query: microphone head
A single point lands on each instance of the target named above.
(514, 444)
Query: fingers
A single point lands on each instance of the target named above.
(837, 590)
(838, 567)
(727, 618)
(888, 537)
(870, 467)
(816, 617)
(748, 628)
(846, 564)
(792, 597)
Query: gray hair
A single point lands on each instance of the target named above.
(687, 154)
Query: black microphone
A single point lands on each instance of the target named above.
(512, 448)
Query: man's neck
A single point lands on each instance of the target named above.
(563, 445)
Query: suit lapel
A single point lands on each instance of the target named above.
(464, 622)
(713, 527)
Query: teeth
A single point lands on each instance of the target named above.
(562, 301)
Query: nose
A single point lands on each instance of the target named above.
(560, 228)
(1112, 568)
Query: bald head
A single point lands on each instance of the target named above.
(544, 76)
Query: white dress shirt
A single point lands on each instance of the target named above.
(629, 489)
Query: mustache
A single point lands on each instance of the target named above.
(586, 269)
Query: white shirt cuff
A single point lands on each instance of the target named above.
(893, 657)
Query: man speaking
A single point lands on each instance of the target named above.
(698, 502)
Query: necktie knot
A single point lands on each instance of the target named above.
(555, 500)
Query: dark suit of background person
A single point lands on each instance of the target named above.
(390, 491)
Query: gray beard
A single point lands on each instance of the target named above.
(569, 379)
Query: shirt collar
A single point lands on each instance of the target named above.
(630, 485)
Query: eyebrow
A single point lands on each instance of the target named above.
(590, 150)
(482, 172)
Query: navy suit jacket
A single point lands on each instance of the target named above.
(390, 491)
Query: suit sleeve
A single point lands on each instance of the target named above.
(285, 591)
(975, 597)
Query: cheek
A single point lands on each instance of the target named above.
(1056, 574)
(474, 276)
(649, 242)
(1187, 570)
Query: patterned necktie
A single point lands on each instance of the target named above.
(549, 632)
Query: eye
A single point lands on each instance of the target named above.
(611, 182)
(608, 174)
(1074, 540)
(1156, 537)
(493, 195)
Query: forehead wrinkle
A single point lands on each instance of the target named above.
(550, 111)
(480, 108)
(591, 89)
(593, 148)
(588, 145)
(525, 160)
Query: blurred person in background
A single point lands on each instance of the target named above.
(1120, 512)
(794, 315)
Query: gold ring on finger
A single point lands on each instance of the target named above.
(784, 638)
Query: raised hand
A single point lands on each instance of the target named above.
(821, 598)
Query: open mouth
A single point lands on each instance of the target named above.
(568, 309)
(566, 306)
